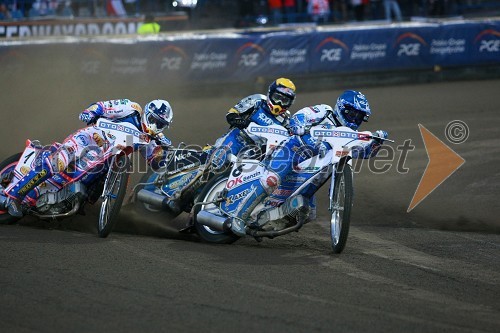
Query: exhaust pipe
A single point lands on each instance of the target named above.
(213, 221)
(154, 199)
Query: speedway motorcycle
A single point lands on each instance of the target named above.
(174, 188)
(287, 208)
(105, 181)
(171, 188)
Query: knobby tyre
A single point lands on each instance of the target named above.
(341, 204)
(209, 193)
(7, 167)
(113, 195)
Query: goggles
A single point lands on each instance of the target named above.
(156, 120)
(354, 116)
(281, 99)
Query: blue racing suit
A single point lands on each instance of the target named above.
(253, 108)
(299, 147)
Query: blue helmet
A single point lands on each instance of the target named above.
(352, 109)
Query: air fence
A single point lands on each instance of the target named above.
(242, 56)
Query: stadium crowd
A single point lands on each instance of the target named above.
(247, 13)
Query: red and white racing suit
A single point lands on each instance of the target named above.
(87, 148)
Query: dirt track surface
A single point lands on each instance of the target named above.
(434, 269)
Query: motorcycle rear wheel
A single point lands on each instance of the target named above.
(7, 167)
(341, 208)
(209, 193)
(113, 195)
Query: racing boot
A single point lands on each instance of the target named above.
(14, 208)
(4, 202)
(312, 209)
(259, 189)
(25, 185)
(36, 176)
(174, 207)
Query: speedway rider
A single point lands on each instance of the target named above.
(87, 146)
(260, 109)
(351, 109)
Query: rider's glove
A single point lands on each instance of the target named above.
(163, 140)
(237, 120)
(218, 158)
(91, 113)
(372, 149)
(322, 149)
(298, 129)
(380, 135)
(240, 123)
(88, 117)
(299, 125)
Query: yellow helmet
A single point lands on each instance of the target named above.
(280, 96)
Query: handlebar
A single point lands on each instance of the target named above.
(378, 137)
(93, 121)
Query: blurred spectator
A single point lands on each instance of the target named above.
(149, 26)
(11, 10)
(275, 7)
(64, 8)
(318, 10)
(289, 7)
(222, 13)
(43, 8)
(392, 7)
(90, 4)
(4, 12)
(115, 8)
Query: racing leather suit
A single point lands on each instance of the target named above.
(252, 108)
(299, 147)
(86, 149)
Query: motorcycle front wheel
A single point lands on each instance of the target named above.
(341, 207)
(209, 193)
(114, 192)
(7, 167)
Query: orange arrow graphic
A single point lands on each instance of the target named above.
(443, 161)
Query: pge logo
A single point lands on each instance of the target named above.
(172, 58)
(93, 61)
(412, 45)
(249, 55)
(13, 61)
(488, 45)
(332, 53)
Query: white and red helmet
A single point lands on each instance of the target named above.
(156, 117)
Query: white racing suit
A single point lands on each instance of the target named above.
(85, 149)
